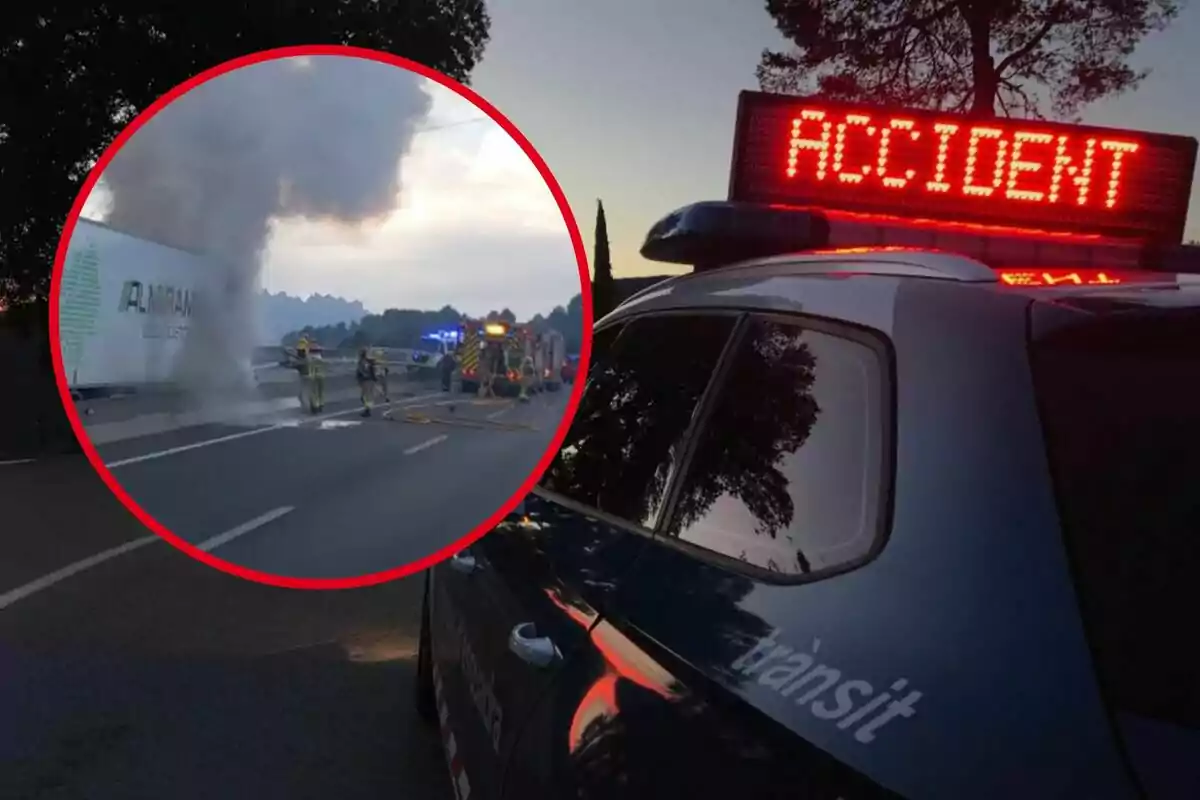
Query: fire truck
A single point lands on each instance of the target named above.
(484, 356)
(548, 351)
(496, 350)
(554, 348)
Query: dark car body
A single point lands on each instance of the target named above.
(830, 527)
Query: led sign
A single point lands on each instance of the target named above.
(1073, 277)
(1056, 277)
(1067, 178)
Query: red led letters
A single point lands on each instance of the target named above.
(1056, 277)
(977, 161)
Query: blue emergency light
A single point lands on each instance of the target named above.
(447, 336)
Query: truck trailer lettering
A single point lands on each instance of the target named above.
(157, 299)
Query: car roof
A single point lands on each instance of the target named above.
(888, 266)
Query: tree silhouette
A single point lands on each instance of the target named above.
(963, 54)
(405, 327)
(778, 368)
(623, 444)
(604, 297)
(76, 73)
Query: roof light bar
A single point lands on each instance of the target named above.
(711, 234)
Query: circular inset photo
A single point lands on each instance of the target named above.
(317, 316)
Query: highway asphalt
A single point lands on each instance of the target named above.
(128, 670)
(149, 675)
(336, 495)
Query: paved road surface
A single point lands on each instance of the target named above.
(336, 495)
(152, 676)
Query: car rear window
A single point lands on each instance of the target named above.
(641, 393)
(1120, 405)
(787, 469)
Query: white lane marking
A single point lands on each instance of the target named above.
(12, 462)
(495, 414)
(254, 432)
(337, 424)
(208, 545)
(416, 448)
(46, 581)
(167, 421)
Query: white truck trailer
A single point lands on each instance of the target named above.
(125, 306)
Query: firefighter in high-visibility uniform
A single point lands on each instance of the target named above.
(447, 366)
(486, 371)
(527, 378)
(311, 367)
(381, 374)
(364, 373)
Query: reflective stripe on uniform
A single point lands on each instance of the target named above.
(469, 352)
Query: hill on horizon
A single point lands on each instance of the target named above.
(282, 313)
(405, 327)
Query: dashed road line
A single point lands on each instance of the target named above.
(170, 451)
(416, 448)
(208, 545)
(46, 581)
(51, 579)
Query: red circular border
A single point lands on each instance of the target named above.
(320, 583)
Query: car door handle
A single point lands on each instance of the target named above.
(525, 644)
(464, 563)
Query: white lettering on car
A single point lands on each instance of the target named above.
(798, 677)
(482, 691)
(479, 682)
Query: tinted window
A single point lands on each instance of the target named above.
(641, 393)
(786, 473)
(1120, 406)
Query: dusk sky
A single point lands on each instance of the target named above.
(633, 101)
(478, 229)
(630, 101)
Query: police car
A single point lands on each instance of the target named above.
(895, 495)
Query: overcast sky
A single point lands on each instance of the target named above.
(476, 227)
(633, 101)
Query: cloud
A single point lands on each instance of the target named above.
(489, 270)
(477, 228)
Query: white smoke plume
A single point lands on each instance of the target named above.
(319, 137)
